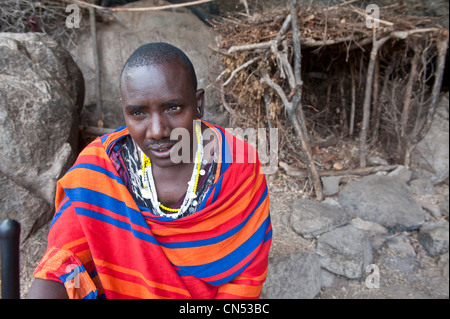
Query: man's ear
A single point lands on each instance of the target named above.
(200, 94)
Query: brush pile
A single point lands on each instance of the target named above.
(374, 81)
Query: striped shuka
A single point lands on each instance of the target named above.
(101, 244)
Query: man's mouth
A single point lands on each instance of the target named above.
(161, 151)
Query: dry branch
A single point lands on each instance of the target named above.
(336, 49)
(301, 173)
(169, 6)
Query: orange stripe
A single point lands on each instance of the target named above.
(240, 290)
(99, 182)
(127, 288)
(139, 275)
(74, 243)
(199, 255)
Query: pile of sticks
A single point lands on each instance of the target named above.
(333, 69)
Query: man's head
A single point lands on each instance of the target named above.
(159, 93)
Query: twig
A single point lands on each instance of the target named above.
(243, 66)
(98, 80)
(301, 173)
(169, 6)
(376, 45)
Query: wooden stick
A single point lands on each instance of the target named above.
(408, 94)
(243, 66)
(169, 6)
(367, 97)
(98, 80)
(296, 106)
(301, 173)
(353, 104)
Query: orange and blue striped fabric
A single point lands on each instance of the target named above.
(101, 244)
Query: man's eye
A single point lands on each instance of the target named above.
(137, 113)
(174, 108)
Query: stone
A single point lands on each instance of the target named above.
(330, 184)
(433, 236)
(23, 206)
(430, 157)
(402, 173)
(293, 276)
(422, 186)
(376, 233)
(384, 200)
(309, 219)
(401, 246)
(41, 96)
(345, 251)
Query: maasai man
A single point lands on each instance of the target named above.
(146, 212)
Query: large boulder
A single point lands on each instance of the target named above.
(41, 96)
(119, 38)
(430, 158)
(384, 200)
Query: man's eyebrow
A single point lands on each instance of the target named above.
(134, 107)
(172, 102)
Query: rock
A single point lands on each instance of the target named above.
(401, 246)
(25, 207)
(345, 251)
(42, 92)
(377, 160)
(41, 95)
(309, 219)
(384, 200)
(402, 173)
(430, 158)
(118, 39)
(376, 233)
(330, 184)
(433, 236)
(293, 276)
(422, 186)
(427, 204)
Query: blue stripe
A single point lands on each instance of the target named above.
(217, 189)
(98, 169)
(223, 264)
(117, 223)
(217, 239)
(91, 295)
(110, 203)
(60, 211)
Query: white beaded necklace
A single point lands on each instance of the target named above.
(149, 189)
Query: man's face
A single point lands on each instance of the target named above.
(157, 99)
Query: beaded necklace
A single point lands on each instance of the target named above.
(149, 189)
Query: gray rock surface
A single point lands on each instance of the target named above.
(434, 237)
(310, 219)
(384, 200)
(430, 157)
(345, 251)
(41, 95)
(293, 276)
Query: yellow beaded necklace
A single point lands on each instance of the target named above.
(147, 163)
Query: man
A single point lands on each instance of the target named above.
(135, 221)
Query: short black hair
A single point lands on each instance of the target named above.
(159, 53)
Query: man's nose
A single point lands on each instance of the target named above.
(157, 128)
